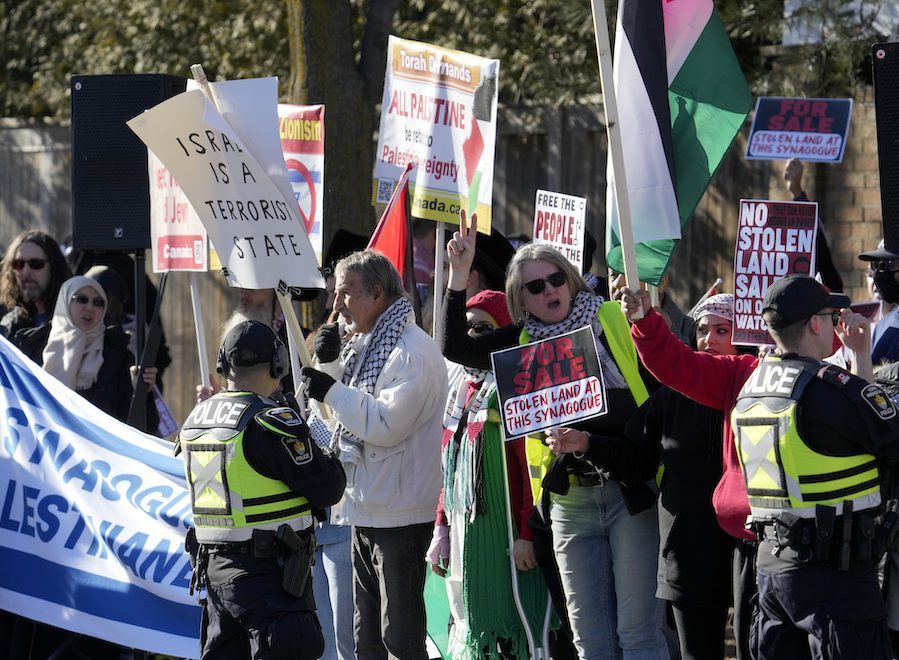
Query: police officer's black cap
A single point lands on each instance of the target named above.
(795, 298)
(882, 253)
(493, 252)
(249, 343)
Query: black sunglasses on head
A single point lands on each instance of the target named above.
(537, 286)
(33, 264)
(82, 299)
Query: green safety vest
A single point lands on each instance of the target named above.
(618, 334)
(783, 474)
(229, 497)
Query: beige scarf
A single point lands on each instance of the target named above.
(72, 355)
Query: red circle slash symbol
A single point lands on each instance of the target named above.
(297, 170)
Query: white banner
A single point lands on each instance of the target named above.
(92, 519)
(439, 112)
(232, 169)
(559, 222)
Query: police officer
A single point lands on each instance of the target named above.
(814, 442)
(255, 480)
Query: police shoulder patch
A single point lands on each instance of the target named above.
(834, 375)
(879, 402)
(283, 421)
(298, 449)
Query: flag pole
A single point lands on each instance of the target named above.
(616, 150)
(439, 284)
(200, 76)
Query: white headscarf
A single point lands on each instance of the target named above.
(721, 305)
(72, 355)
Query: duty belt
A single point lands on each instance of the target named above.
(826, 537)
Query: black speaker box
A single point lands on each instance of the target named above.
(110, 182)
(885, 58)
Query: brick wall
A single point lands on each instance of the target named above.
(849, 196)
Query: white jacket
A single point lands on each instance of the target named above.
(398, 482)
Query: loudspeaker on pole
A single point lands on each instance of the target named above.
(110, 182)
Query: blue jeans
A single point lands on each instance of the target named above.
(332, 578)
(607, 561)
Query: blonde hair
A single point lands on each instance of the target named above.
(531, 252)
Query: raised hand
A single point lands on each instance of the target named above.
(634, 304)
(460, 252)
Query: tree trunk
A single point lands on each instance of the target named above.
(323, 69)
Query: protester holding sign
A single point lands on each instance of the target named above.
(606, 556)
(805, 476)
(386, 389)
(254, 478)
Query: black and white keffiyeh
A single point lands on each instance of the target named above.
(364, 357)
(583, 312)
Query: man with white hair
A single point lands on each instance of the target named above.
(386, 387)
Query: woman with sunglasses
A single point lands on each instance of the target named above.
(605, 534)
(81, 351)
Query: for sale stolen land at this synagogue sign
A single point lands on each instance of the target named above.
(439, 112)
(553, 382)
(774, 239)
(808, 129)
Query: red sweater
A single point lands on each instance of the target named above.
(713, 381)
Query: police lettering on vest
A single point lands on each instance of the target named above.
(772, 379)
(216, 413)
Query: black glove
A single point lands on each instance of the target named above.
(319, 383)
(327, 343)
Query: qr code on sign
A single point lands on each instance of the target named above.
(385, 190)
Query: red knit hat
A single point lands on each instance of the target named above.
(492, 302)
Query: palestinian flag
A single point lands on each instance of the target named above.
(682, 99)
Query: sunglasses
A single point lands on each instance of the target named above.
(537, 286)
(834, 316)
(82, 299)
(33, 264)
(883, 266)
(481, 327)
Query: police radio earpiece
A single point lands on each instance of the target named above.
(221, 365)
(280, 362)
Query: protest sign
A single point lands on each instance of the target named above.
(177, 234)
(302, 132)
(559, 222)
(439, 112)
(549, 383)
(808, 129)
(774, 239)
(231, 167)
(92, 520)
(870, 309)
